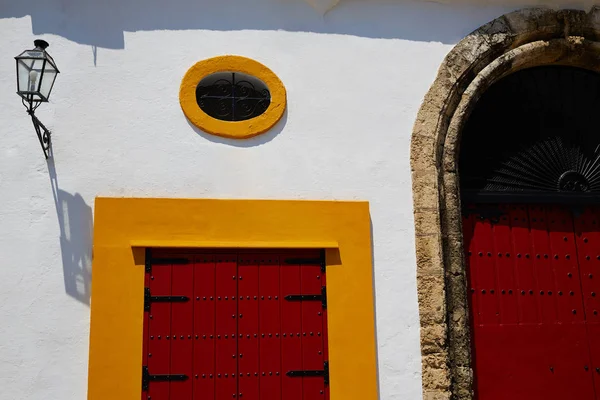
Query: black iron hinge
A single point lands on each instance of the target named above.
(148, 299)
(147, 378)
(152, 261)
(308, 261)
(310, 297)
(310, 373)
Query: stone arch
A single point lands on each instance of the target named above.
(521, 39)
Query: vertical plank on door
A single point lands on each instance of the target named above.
(159, 327)
(204, 327)
(248, 357)
(226, 327)
(312, 332)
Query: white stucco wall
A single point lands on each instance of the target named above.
(355, 79)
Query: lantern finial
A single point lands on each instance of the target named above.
(42, 44)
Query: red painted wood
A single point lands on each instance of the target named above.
(505, 258)
(485, 266)
(502, 360)
(524, 269)
(312, 332)
(146, 334)
(237, 337)
(570, 351)
(182, 329)
(543, 265)
(564, 260)
(593, 336)
(325, 336)
(248, 357)
(291, 324)
(226, 327)
(587, 237)
(159, 327)
(204, 327)
(537, 348)
(269, 329)
(587, 234)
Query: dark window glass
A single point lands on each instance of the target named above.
(232, 96)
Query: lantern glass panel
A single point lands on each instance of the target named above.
(23, 76)
(48, 81)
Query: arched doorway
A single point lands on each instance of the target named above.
(530, 188)
(516, 41)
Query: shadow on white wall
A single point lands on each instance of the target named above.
(258, 140)
(102, 23)
(76, 227)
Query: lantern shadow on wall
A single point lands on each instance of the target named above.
(76, 227)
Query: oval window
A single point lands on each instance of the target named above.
(232, 96)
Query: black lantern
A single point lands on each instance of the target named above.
(36, 73)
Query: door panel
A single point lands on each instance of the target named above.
(219, 326)
(204, 327)
(182, 329)
(291, 324)
(564, 261)
(159, 328)
(248, 349)
(533, 345)
(312, 332)
(269, 328)
(226, 327)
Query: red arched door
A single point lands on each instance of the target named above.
(530, 188)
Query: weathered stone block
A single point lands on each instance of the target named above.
(433, 339)
(429, 255)
(423, 154)
(427, 221)
(425, 189)
(430, 290)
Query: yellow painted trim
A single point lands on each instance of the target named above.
(232, 129)
(232, 245)
(118, 278)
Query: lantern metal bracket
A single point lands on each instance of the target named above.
(44, 135)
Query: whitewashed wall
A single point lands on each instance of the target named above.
(355, 79)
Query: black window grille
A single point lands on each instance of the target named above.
(232, 96)
(534, 134)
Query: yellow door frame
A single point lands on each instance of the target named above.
(124, 227)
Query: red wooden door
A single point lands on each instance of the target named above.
(530, 339)
(233, 325)
(587, 233)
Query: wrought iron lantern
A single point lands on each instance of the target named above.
(36, 73)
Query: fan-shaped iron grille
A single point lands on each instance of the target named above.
(535, 134)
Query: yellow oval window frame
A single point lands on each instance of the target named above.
(232, 129)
